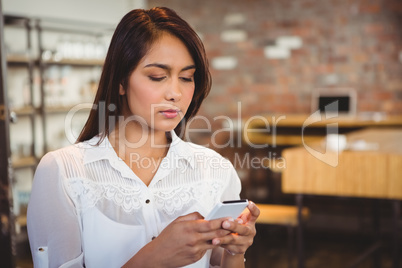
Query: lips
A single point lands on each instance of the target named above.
(170, 113)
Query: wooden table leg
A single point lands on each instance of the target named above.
(395, 255)
(377, 232)
(300, 242)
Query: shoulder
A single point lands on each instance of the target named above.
(75, 150)
(59, 158)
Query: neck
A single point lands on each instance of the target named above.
(138, 139)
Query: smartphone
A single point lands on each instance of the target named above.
(231, 208)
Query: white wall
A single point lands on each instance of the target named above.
(105, 11)
(98, 11)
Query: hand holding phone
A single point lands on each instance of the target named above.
(232, 208)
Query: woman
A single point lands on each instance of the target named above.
(131, 193)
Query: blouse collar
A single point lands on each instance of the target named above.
(178, 149)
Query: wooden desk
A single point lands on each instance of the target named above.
(368, 174)
(371, 174)
(287, 129)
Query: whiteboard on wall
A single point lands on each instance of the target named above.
(100, 11)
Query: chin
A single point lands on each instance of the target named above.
(165, 127)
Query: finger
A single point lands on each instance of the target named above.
(211, 239)
(254, 211)
(244, 217)
(213, 232)
(233, 240)
(190, 217)
(236, 243)
(226, 240)
(236, 227)
(206, 230)
(250, 214)
(216, 237)
(212, 225)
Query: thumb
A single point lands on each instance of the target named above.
(254, 211)
(250, 214)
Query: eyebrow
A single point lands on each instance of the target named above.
(167, 67)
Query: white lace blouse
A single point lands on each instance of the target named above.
(89, 209)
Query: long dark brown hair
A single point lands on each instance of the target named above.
(132, 39)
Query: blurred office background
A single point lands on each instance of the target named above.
(268, 59)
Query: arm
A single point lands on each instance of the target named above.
(232, 192)
(53, 226)
(240, 239)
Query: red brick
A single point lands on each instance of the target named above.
(324, 68)
(236, 89)
(374, 28)
(382, 95)
(370, 9)
(392, 107)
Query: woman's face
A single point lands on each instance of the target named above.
(161, 87)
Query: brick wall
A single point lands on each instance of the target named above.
(270, 55)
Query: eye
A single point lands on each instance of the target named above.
(156, 79)
(187, 79)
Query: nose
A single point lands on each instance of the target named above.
(173, 92)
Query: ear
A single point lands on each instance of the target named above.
(122, 91)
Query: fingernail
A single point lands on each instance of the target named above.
(240, 221)
(231, 219)
(216, 242)
(226, 224)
